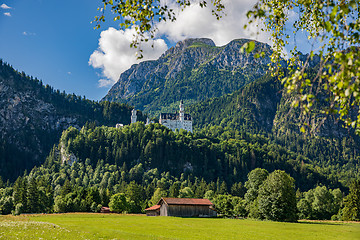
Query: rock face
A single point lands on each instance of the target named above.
(192, 70)
(33, 116)
(22, 110)
(29, 125)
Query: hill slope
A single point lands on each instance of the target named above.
(251, 109)
(33, 116)
(261, 107)
(210, 154)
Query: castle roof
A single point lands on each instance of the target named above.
(174, 116)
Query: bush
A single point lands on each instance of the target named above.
(19, 209)
(118, 203)
(277, 198)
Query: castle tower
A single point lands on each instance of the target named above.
(133, 116)
(181, 113)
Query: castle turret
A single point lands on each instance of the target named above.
(182, 111)
(133, 116)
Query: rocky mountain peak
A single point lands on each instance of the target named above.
(195, 41)
(194, 69)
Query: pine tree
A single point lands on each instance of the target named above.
(33, 197)
(351, 211)
(223, 188)
(20, 192)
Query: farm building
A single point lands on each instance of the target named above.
(105, 210)
(182, 207)
(153, 211)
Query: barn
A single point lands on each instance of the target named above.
(153, 211)
(105, 210)
(182, 207)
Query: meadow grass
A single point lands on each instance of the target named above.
(115, 226)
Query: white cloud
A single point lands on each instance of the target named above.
(195, 21)
(28, 33)
(7, 14)
(114, 54)
(4, 6)
(105, 83)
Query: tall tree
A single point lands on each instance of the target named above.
(20, 192)
(255, 179)
(118, 203)
(158, 194)
(277, 198)
(324, 204)
(33, 196)
(351, 211)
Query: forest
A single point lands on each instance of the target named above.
(130, 168)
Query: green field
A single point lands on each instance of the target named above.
(113, 226)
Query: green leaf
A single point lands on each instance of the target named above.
(333, 13)
(302, 129)
(250, 46)
(328, 26)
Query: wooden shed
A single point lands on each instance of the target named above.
(182, 207)
(105, 210)
(153, 211)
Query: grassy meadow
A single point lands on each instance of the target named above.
(114, 226)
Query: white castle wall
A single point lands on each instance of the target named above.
(179, 122)
(173, 124)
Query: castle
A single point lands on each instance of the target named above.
(171, 120)
(177, 120)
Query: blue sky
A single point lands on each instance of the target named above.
(52, 40)
(56, 42)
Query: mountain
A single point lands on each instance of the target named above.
(262, 107)
(192, 70)
(251, 109)
(33, 116)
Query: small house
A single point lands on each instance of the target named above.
(153, 211)
(105, 210)
(182, 207)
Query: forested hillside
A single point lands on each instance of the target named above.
(130, 168)
(212, 153)
(262, 107)
(251, 109)
(33, 116)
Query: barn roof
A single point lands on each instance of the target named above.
(155, 207)
(186, 201)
